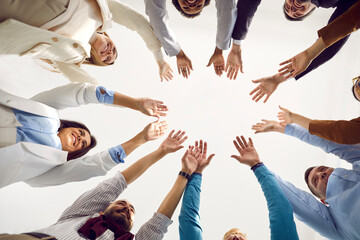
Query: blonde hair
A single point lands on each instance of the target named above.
(94, 58)
(232, 231)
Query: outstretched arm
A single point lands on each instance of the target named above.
(189, 218)
(332, 50)
(282, 223)
(97, 164)
(285, 117)
(76, 94)
(350, 153)
(171, 144)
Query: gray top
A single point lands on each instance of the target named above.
(159, 20)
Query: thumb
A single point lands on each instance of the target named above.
(209, 64)
(210, 157)
(257, 81)
(236, 157)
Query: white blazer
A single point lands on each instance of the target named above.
(67, 54)
(40, 165)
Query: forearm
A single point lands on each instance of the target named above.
(140, 166)
(172, 199)
(300, 120)
(189, 218)
(282, 223)
(316, 48)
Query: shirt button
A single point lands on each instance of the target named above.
(55, 39)
(75, 45)
(346, 176)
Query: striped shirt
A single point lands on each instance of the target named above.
(92, 202)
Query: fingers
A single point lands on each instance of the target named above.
(177, 134)
(255, 90)
(244, 141)
(267, 97)
(285, 62)
(205, 148)
(171, 133)
(241, 68)
(257, 81)
(251, 142)
(210, 158)
(180, 136)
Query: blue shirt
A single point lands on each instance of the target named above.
(280, 211)
(350, 153)
(44, 130)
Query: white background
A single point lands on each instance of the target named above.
(205, 106)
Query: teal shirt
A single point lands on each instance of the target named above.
(281, 218)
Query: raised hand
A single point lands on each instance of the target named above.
(248, 154)
(165, 71)
(268, 126)
(285, 116)
(266, 87)
(173, 142)
(152, 107)
(203, 161)
(190, 160)
(218, 60)
(295, 65)
(184, 64)
(234, 62)
(154, 130)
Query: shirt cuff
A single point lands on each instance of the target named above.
(289, 129)
(106, 97)
(260, 164)
(117, 154)
(237, 42)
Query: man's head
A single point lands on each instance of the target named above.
(190, 8)
(234, 234)
(122, 212)
(317, 179)
(356, 88)
(297, 10)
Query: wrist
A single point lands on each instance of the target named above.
(236, 48)
(185, 175)
(279, 128)
(279, 78)
(218, 51)
(186, 170)
(180, 54)
(254, 163)
(140, 138)
(162, 151)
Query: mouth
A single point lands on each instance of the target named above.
(191, 1)
(106, 48)
(74, 139)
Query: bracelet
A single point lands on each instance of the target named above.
(184, 174)
(256, 166)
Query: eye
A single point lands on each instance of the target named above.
(199, 6)
(113, 50)
(186, 8)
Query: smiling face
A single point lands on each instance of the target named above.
(191, 7)
(318, 179)
(74, 139)
(122, 212)
(105, 48)
(296, 8)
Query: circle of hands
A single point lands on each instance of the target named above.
(266, 86)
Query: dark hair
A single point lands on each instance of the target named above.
(296, 19)
(177, 6)
(353, 91)
(306, 175)
(73, 124)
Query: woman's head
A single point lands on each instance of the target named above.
(75, 138)
(234, 234)
(103, 51)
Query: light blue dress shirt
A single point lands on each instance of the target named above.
(350, 153)
(282, 223)
(43, 130)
